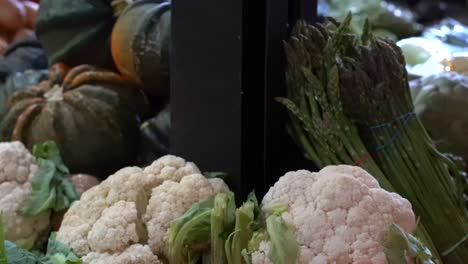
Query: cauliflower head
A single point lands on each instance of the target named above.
(171, 200)
(340, 215)
(131, 211)
(17, 168)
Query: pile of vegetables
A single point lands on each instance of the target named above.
(387, 19)
(350, 103)
(441, 48)
(152, 215)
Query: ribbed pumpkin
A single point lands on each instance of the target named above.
(140, 45)
(89, 113)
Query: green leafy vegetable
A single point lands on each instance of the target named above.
(284, 247)
(190, 233)
(59, 253)
(237, 243)
(257, 237)
(51, 188)
(223, 218)
(184, 232)
(400, 245)
(202, 231)
(17, 255)
(3, 255)
(214, 231)
(215, 174)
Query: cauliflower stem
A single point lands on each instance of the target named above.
(284, 247)
(214, 231)
(399, 245)
(237, 243)
(222, 221)
(206, 225)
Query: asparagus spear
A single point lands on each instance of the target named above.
(319, 123)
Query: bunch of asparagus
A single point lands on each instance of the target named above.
(350, 103)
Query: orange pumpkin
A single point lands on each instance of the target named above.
(140, 45)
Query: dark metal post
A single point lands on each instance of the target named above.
(206, 84)
(227, 65)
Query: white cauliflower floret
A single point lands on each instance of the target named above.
(340, 214)
(169, 168)
(17, 167)
(131, 205)
(135, 254)
(261, 255)
(125, 185)
(171, 200)
(16, 163)
(219, 186)
(117, 228)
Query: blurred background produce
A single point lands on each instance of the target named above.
(433, 36)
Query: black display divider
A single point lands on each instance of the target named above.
(227, 66)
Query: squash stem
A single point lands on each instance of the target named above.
(118, 6)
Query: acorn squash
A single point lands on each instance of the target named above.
(90, 113)
(155, 137)
(140, 45)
